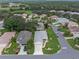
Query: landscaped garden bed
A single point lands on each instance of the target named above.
(66, 31)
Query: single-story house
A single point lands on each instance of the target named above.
(74, 28)
(52, 11)
(61, 11)
(23, 37)
(72, 13)
(22, 15)
(40, 36)
(75, 31)
(40, 40)
(13, 4)
(40, 26)
(5, 39)
(43, 15)
(35, 15)
(71, 24)
(54, 17)
(63, 21)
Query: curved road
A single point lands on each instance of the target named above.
(66, 51)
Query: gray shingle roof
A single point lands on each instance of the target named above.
(23, 37)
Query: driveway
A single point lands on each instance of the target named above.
(38, 49)
(38, 41)
(22, 52)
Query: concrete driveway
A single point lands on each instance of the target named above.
(38, 49)
(22, 52)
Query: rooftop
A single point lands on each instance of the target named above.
(6, 38)
(39, 36)
(24, 36)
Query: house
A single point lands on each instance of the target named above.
(63, 21)
(35, 15)
(77, 13)
(5, 39)
(13, 4)
(71, 24)
(74, 28)
(23, 37)
(40, 26)
(40, 40)
(54, 17)
(43, 15)
(61, 11)
(52, 11)
(22, 15)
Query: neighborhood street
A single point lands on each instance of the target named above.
(66, 51)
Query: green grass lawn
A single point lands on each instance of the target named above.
(52, 43)
(4, 9)
(63, 29)
(22, 11)
(30, 45)
(71, 42)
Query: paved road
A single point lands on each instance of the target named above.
(66, 52)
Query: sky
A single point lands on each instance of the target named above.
(33, 0)
(40, 0)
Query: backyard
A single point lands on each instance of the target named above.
(52, 45)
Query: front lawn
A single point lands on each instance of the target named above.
(30, 45)
(72, 43)
(52, 45)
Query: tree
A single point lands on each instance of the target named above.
(77, 41)
(31, 25)
(14, 23)
(67, 15)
